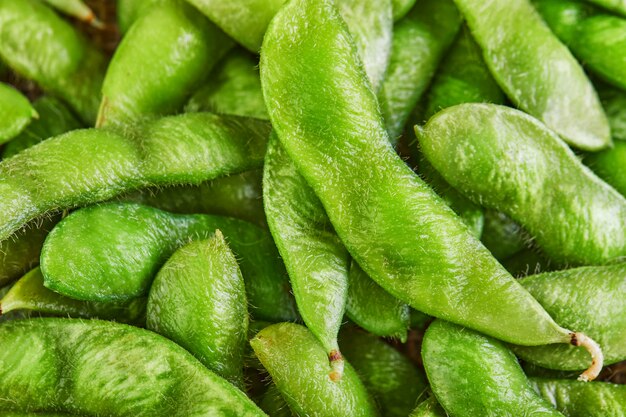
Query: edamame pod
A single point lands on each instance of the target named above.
(614, 102)
(502, 236)
(298, 365)
(274, 404)
(198, 300)
(62, 62)
(77, 9)
(373, 308)
(54, 119)
(516, 46)
(429, 408)
(128, 11)
(401, 8)
(509, 161)
(30, 294)
(185, 149)
(588, 298)
(113, 251)
(563, 16)
(474, 375)
(577, 399)
(48, 365)
(610, 165)
(16, 112)
(176, 48)
(394, 382)
(528, 261)
(390, 221)
(419, 42)
(618, 6)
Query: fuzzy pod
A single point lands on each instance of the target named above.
(77, 9)
(16, 113)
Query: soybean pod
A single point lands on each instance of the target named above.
(401, 8)
(610, 165)
(614, 102)
(16, 113)
(77, 9)
(391, 222)
(429, 408)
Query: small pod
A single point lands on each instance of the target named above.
(16, 113)
(474, 375)
(29, 294)
(113, 251)
(578, 399)
(198, 300)
(508, 161)
(516, 46)
(298, 365)
(94, 367)
(588, 298)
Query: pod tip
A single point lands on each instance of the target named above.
(336, 364)
(597, 358)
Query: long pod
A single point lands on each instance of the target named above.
(113, 251)
(392, 223)
(101, 368)
(16, 113)
(87, 166)
(298, 365)
(504, 159)
(474, 375)
(517, 46)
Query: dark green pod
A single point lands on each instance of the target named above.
(516, 46)
(474, 375)
(528, 262)
(610, 165)
(618, 6)
(113, 251)
(63, 63)
(29, 294)
(298, 365)
(564, 16)
(273, 403)
(590, 299)
(401, 8)
(614, 102)
(198, 300)
(509, 161)
(93, 367)
(502, 236)
(16, 113)
(580, 399)
(394, 382)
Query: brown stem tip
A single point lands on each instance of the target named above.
(336, 365)
(597, 358)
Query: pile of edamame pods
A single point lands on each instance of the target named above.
(313, 208)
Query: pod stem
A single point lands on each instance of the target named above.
(336, 364)
(597, 358)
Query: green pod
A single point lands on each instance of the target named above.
(165, 55)
(578, 399)
(62, 62)
(202, 281)
(333, 131)
(509, 161)
(528, 261)
(102, 368)
(113, 251)
(29, 294)
(315, 258)
(185, 149)
(54, 119)
(273, 403)
(373, 308)
(389, 376)
(610, 165)
(298, 365)
(587, 298)
(234, 87)
(474, 375)
(401, 8)
(563, 16)
(77, 9)
(516, 46)
(419, 43)
(238, 196)
(429, 408)
(20, 252)
(128, 11)
(35, 414)
(614, 102)
(600, 43)
(16, 113)
(502, 236)
(617, 6)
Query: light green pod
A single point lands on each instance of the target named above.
(618, 6)
(16, 113)
(509, 161)
(165, 55)
(610, 165)
(63, 63)
(234, 87)
(54, 119)
(401, 8)
(198, 300)
(373, 308)
(516, 46)
(579, 399)
(419, 43)
(298, 365)
(331, 128)
(394, 382)
(77, 9)
(502, 236)
(315, 258)
(474, 375)
(429, 408)
(93, 367)
(614, 102)
(29, 294)
(588, 298)
(185, 149)
(113, 251)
